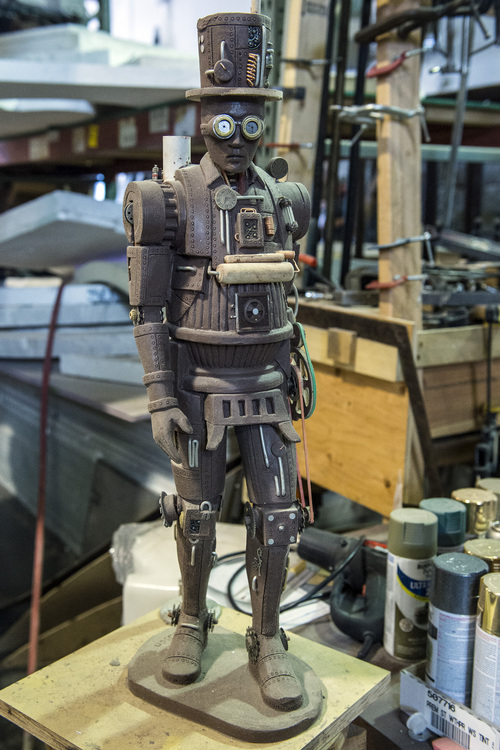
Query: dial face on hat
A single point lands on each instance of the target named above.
(232, 131)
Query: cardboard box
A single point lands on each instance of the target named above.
(445, 716)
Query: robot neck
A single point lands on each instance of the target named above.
(237, 182)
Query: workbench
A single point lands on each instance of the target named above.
(82, 702)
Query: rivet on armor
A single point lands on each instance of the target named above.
(277, 448)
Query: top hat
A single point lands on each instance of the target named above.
(236, 56)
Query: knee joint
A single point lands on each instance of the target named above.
(197, 521)
(273, 526)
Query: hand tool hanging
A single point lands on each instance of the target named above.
(413, 18)
(355, 163)
(332, 184)
(458, 123)
(486, 453)
(317, 186)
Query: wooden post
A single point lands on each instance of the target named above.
(399, 171)
(399, 202)
(304, 40)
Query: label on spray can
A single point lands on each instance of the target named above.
(450, 651)
(486, 676)
(406, 606)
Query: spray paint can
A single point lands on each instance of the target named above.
(412, 545)
(486, 675)
(492, 484)
(451, 516)
(494, 531)
(453, 597)
(481, 508)
(487, 550)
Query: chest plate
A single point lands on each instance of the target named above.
(220, 222)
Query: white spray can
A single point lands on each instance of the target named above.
(412, 545)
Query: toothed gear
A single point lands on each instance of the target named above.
(304, 518)
(252, 644)
(174, 614)
(302, 378)
(250, 520)
(284, 639)
(211, 621)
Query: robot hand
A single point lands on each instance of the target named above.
(164, 424)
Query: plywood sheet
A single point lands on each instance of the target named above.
(357, 437)
(455, 396)
(82, 701)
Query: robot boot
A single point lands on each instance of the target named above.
(195, 552)
(266, 643)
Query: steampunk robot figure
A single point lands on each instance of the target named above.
(211, 262)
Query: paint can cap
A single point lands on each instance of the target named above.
(412, 533)
(481, 508)
(455, 582)
(451, 517)
(489, 603)
(487, 550)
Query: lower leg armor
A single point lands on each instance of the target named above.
(195, 536)
(266, 643)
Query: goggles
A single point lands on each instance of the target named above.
(224, 126)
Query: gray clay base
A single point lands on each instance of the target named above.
(225, 697)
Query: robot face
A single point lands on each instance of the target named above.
(232, 131)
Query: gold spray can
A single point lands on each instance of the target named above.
(481, 509)
(486, 674)
(492, 484)
(487, 550)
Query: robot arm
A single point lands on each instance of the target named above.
(153, 345)
(150, 225)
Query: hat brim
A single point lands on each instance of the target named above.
(234, 93)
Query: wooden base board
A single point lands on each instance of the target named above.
(82, 702)
(226, 696)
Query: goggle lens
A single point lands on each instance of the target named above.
(252, 128)
(224, 126)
